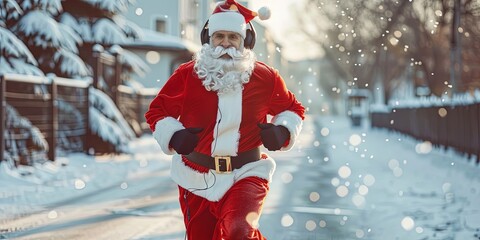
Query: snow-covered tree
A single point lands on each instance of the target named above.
(15, 57)
(37, 37)
(103, 28)
(36, 26)
(101, 22)
(31, 147)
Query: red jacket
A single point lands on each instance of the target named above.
(228, 120)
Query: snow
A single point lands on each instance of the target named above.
(71, 64)
(81, 27)
(107, 121)
(130, 28)
(113, 6)
(22, 67)
(52, 6)
(457, 99)
(11, 11)
(384, 186)
(160, 40)
(130, 60)
(107, 32)
(45, 31)
(10, 45)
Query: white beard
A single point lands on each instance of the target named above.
(224, 75)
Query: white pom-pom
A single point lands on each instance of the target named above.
(264, 13)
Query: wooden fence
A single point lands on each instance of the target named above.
(46, 103)
(457, 127)
(59, 107)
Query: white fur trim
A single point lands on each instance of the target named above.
(264, 13)
(229, 116)
(217, 184)
(164, 130)
(292, 122)
(227, 21)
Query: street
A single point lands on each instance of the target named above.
(330, 186)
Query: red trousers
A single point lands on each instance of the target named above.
(235, 216)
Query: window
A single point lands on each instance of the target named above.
(160, 26)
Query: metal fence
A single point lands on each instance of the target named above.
(457, 127)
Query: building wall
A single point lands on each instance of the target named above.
(145, 12)
(184, 18)
(159, 72)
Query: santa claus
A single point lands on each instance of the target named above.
(212, 116)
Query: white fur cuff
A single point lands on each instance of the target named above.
(164, 130)
(292, 122)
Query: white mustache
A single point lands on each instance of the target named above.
(231, 51)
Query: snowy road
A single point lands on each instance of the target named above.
(117, 211)
(337, 183)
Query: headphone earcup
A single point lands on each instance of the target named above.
(249, 41)
(250, 37)
(204, 37)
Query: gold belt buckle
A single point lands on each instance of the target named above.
(223, 164)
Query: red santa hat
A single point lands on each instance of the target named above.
(232, 16)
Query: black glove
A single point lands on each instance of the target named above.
(185, 140)
(273, 136)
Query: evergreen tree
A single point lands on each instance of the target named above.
(43, 37)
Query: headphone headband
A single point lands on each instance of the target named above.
(248, 42)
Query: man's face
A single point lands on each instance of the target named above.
(226, 39)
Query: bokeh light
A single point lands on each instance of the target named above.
(342, 191)
(79, 184)
(369, 180)
(359, 233)
(355, 140)
(344, 171)
(310, 225)
(424, 147)
(358, 200)
(52, 214)
(287, 177)
(314, 196)
(335, 182)
(442, 112)
(408, 223)
(152, 57)
(286, 220)
(363, 190)
(322, 223)
(252, 219)
(325, 131)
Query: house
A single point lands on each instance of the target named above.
(172, 35)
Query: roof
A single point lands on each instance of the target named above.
(161, 41)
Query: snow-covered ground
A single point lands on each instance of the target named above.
(337, 183)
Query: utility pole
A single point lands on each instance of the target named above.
(455, 49)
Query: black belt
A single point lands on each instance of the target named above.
(224, 164)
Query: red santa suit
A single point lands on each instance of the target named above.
(230, 127)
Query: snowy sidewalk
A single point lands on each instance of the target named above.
(361, 183)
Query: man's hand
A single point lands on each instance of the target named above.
(273, 136)
(185, 140)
